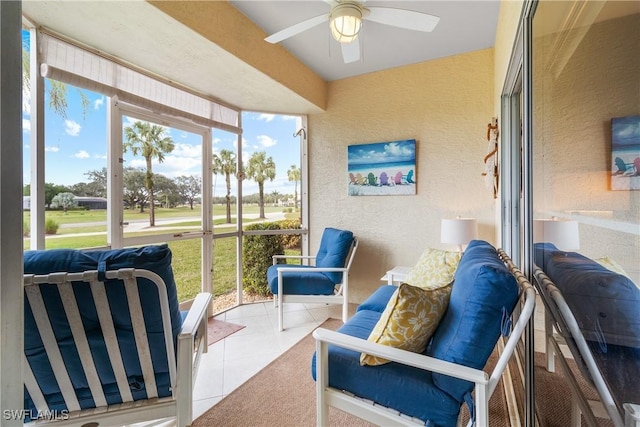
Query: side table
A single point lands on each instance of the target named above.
(396, 275)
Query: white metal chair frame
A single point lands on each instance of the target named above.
(183, 363)
(557, 310)
(340, 296)
(484, 384)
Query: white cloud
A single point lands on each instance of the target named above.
(26, 125)
(266, 117)
(52, 149)
(187, 150)
(82, 154)
(98, 103)
(100, 156)
(137, 163)
(71, 128)
(175, 166)
(285, 118)
(266, 141)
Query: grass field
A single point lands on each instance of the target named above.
(186, 253)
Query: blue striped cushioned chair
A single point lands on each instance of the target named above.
(105, 340)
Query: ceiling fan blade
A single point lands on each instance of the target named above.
(350, 51)
(297, 28)
(402, 18)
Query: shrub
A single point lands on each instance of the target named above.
(51, 226)
(26, 228)
(290, 241)
(258, 253)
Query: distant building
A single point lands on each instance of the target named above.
(86, 202)
(92, 202)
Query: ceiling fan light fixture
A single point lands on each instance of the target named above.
(345, 22)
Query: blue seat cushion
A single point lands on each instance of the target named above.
(484, 293)
(333, 251)
(153, 258)
(296, 283)
(403, 388)
(604, 303)
(378, 300)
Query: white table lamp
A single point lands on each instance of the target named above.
(459, 231)
(563, 234)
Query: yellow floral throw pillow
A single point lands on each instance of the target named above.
(434, 269)
(410, 318)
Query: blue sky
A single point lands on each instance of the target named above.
(626, 131)
(390, 152)
(75, 145)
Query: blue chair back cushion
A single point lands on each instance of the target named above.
(483, 296)
(293, 283)
(403, 388)
(153, 258)
(333, 250)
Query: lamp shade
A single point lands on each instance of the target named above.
(563, 234)
(459, 231)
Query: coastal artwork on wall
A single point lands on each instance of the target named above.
(382, 168)
(625, 153)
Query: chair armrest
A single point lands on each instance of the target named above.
(196, 314)
(404, 357)
(311, 269)
(276, 257)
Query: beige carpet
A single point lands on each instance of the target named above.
(283, 395)
(553, 395)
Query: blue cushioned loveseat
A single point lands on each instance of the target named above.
(427, 388)
(596, 312)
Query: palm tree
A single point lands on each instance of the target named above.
(294, 175)
(275, 194)
(259, 169)
(149, 141)
(225, 164)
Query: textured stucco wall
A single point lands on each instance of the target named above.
(578, 88)
(445, 105)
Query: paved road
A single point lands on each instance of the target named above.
(143, 224)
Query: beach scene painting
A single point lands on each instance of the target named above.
(382, 168)
(625, 153)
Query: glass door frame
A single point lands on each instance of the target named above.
(115, 224)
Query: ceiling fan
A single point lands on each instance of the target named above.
(345, 20)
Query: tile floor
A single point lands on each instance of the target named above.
(233, 360)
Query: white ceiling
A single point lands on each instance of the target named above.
(464, 26)
(139, 33)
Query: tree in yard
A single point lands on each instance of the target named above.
(189, 188)
(259, 169)
(64, 201)
(294, 175)
(134, 191)
(151, 142)
(52, 190)
(275, 195)
(225, 164)
(167, 191)
(98, 181)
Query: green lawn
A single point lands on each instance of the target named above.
(82, 216)
(186, 253)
